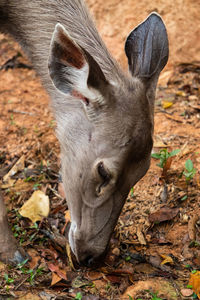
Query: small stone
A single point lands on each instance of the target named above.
(116, 251)
(186, 292)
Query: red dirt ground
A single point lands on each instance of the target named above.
(139, 247)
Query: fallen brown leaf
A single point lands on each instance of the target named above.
(163, 214)
(191, 227)
(55, 278)
(165, 77)
(157, 285)
(56, 269)
(29, 296)
(140, 235)
(68, 251)
(111, 271)
(35, 258)
(36, 207)
(174, 118)
(50, 252)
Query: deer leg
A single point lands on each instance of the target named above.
(10, 252)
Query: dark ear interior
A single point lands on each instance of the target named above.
(96, 77)
(147, 48)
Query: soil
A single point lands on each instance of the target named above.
(155, 249)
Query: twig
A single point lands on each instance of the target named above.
(21, 112)
(26, 277)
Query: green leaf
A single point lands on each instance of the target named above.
(187, 266)
(174, 152)
(6, 276)
(189, 286)
(127, 258)
(155, 155)
(78, 296)
(184, 198)
(132, 191)
(189, 165)
(161, 164)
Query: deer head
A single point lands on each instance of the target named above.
(105, 128)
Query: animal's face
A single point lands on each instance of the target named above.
(105, 130)
(101, 161)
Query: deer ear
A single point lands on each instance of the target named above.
(147, 48)
(72, 68)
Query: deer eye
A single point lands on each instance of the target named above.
(104, 178)
(104, 175)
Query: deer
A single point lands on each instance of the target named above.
(104, 115)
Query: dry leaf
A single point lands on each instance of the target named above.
(181, 93)
(163, 214)
(166, 104)
(68, 251)
(36, 207)
(29, 296)
(67, 220)
(17, 186)
(50, 252)
(174, 118)
(9, 183)
(140, 235)
(67, 217)
(55, 278)
(159, 144)
(191, 227)
(56, 269)
(195, 283)
(35, 259)
(167, 259)
(156, 284)
(164, 78)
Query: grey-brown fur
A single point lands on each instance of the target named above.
(104, 117)
(22, 17)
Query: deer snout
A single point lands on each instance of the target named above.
(87, 252)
